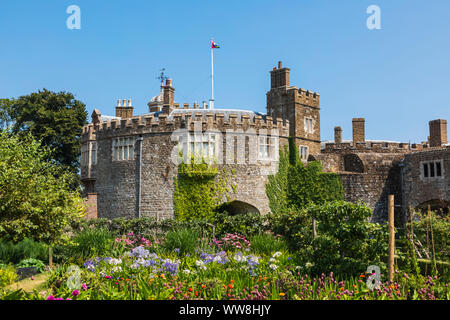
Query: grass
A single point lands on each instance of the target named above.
(29, 285)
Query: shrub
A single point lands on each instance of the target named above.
(267, 244)
(91, 242)
(346, 242)
(30, 263)
(184, 240)
(249, 224)
(27, 248)
(7, 275)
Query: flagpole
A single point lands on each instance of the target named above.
(212, 76)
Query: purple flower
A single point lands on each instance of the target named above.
(50, 298)
(75, 292)
(84, 286)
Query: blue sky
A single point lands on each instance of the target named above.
(398, 77)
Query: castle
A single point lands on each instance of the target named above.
(126, 166)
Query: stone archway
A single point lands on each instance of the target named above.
(353, 163)
(437, 205)
(238, 207)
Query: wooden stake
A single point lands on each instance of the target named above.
(391, 237)
(50, 257)
(432, 237)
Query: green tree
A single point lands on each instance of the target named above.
(5, 113)
(35, 196)
(56, 119)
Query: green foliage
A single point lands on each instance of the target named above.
(296, 229)
(267, 244)
(249, 224)
(309, 185)
(199, 189)
(7, 275)
(35, 196)
(185, 240)
(346, 241)
(276, 188)
(14, 252)
(91, 242)
(30, 262)
(296, 186)
(5, 114)
(54, 118)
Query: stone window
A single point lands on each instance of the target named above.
(266, 148)
(123, 149)
(203, 145)
(89, 150)
(309, 125)
(432, 169)
(303, 150)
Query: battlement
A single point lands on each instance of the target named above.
(366, 147)
(308, 97)
(165, 123)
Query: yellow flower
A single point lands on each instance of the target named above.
(282, 294)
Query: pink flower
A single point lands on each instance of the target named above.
(75, 292)
(84, 286)
(50, 298)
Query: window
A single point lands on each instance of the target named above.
(432, 169)
(266, 150)
(89, 150)
(201, 145)
(303, 153)
(123, 149)
(94, 153)
(309, 125)
(425, 170)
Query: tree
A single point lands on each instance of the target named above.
(56, 119)
(5, 113)
(35, 196)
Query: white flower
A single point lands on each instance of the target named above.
(115, 261)
(217, 259)
(273, 266)
(273, 260)
(239, 257)
(203, 268)
(199, 263)
(277, 254)
(117, 269)
(309, 265)
(186, 271)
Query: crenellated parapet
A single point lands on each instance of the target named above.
(165, 124)
(368, 146)
(308, 98)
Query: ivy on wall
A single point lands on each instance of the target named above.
(296, 186)
(199, 189)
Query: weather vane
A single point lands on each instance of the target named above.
(162, 77)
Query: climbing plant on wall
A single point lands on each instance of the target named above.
(295, 185)
(199, 189)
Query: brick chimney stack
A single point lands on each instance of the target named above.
(438, 132)
(124, 110)
(279, 77)
(168, 97)
(337, 135)
(358, 125)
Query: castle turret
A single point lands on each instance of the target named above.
(301, 107)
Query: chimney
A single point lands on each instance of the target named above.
(169, 93)
(123, 110)
(337, 135)
(279, 77)
(438, 132)
(358, 130)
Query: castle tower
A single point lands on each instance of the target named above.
(358, 126)
(301, 107)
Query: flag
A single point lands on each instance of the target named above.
(214, 45)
